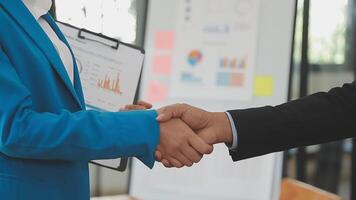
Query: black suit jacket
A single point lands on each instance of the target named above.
(315, 119)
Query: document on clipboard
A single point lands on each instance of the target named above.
(110, 72)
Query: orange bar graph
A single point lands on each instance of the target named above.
(110, 85)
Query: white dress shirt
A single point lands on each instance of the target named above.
(232, 146)
(38, 8)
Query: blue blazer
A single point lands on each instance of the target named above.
(46, 136)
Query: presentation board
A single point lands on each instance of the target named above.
(217, 55)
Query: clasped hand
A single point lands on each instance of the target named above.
(187, 133)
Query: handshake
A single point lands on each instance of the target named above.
(187, 133)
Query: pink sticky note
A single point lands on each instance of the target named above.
(237, 79)
(157, 92)
(164, 40)
(162, 65)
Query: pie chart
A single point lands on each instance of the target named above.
(195, 57)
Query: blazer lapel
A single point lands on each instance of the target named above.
(25, 19)
(77, 83)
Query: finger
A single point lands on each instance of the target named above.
(175, 163)
(135, 107)
(166, 163)
(164, 114)
(145, 104)
(158, 156)
(200, 145)
(122, 109)
(192, 154)
(207, 136)
(183, 160)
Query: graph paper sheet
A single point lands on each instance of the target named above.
(220, 58)
(109, 74)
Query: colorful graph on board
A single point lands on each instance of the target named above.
(112, 85)
(233, 63)
(230, 79)
(195, 57)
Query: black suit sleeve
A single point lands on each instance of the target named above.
(315, 119)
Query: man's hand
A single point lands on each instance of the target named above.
(213, 128)
(179, 145)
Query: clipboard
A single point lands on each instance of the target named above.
(90, 62)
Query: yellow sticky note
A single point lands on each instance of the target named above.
(263, 86)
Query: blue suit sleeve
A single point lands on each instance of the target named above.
(83, 135)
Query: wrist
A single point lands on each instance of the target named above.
(223, 129)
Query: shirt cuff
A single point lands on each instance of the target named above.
(232, 146)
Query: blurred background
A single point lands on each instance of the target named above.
(324, 49)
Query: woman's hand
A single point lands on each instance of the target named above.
(141, 105)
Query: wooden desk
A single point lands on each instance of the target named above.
(119, 197)
(295, 190)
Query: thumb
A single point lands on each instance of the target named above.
(169, 112)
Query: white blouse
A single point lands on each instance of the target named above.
(38, 8)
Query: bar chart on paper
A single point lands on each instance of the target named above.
(220, 58)
(110, 85)
(106, 81)
(109, 76)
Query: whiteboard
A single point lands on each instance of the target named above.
(217, 55)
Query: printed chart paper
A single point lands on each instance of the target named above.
(219, 62)
(109, 76)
